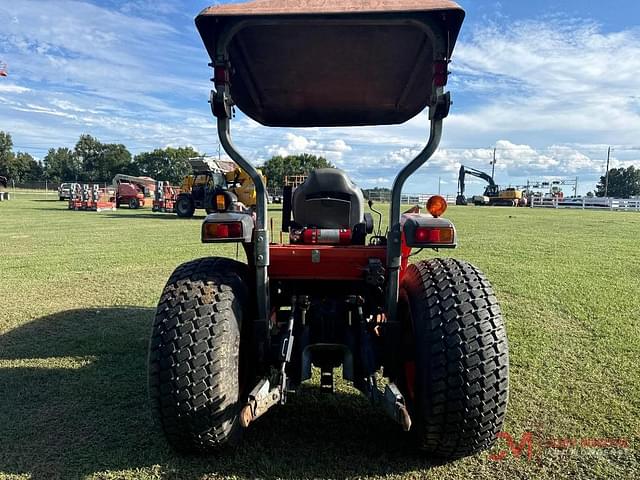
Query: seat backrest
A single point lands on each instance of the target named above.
(328, 199)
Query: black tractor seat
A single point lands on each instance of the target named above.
(329, 199)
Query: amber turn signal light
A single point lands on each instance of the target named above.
(436, 206)
(221, 204)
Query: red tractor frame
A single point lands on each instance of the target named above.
(231, 340)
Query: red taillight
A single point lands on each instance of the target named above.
(441, 235)
(336, 236)
(214, 231)
(235, 229)
(222, 231)
(440, 73)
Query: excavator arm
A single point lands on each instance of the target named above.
(461, 199)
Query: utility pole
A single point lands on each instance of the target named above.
(606, 177)
(493, 164)
(439, 180)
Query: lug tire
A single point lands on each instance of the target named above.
(458, 344)
(194, 355)
(184, 207)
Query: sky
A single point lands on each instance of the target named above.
(549, 84)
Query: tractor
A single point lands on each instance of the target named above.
(209, 178)
(423, 340)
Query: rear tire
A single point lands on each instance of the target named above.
(194, 355)
(458, 344)
(184, 207)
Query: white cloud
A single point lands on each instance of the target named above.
(12, 88)
(297, 144)
(565, 80)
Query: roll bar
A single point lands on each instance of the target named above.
(260, 233)
(394, 247)
(222, 109)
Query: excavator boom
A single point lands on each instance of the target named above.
(492, 188)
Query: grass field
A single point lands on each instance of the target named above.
(78, 295)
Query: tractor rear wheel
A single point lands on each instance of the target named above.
(456, 374)
(195, 355)
(184, 206)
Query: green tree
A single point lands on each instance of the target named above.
(88, 150)
(28, 168)
(6, 154)
(113, 159)
(278, 167)
(167, 164)
(19, 167)
(101, 161)
(61, 165)
(623, 183)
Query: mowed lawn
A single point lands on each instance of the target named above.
(78, 292)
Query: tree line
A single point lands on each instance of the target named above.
(622, 183)
(91, 161)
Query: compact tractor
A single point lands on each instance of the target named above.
(424, 340)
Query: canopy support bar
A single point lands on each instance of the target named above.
(395, 233)
(260, 233)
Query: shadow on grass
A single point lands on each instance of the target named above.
(74, 402)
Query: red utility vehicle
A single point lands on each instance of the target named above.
(231, 340)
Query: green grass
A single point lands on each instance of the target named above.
(78, 295)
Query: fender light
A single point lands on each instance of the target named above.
(423, 231)
(214, 231)
(227, 227)
(434, 235)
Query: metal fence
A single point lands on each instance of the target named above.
(588, 203)
(44, 186)
(408, 198)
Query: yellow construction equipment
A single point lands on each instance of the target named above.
(210, 177)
